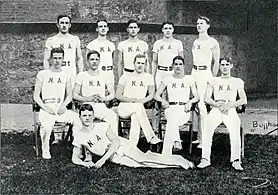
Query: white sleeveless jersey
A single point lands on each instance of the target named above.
(178, 90)
(53, 87)
(70, 43)
(226, 89)
(105, 48)
(130, 49)
(202, 51)
(95, 140)
(166, 51)
(136, 86)
(90, 84)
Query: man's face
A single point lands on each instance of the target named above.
(57, 60)
(139, 64)
(178, 66)
(87, 117)
(202, 25)
(64, 25)
(102, 28)
(225, 67)
(133, 29)
(168, 30)
(93, 61)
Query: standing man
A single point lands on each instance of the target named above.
(129, 48)
(164, 50)
(179, 104)
(90, 86)
(206, 54)
(224, 89)
(73, 61)
(106, 49)
(53, 92)
(132, 91)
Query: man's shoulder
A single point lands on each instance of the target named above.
(43, 72)
(82, 73)
(213, 40)
(237, 80)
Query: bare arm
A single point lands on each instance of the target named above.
(215, 58)
(46, 58)
(150, 96)
(80, 98)
(79, 59)
(115, 144)
(37, 92)
(76, 160)
(111, 92)
(147, 68)
(121, 97)
(241, 101)
(208, 98)
(120, 64)
(195, 94)
(158, 93)
(154, 63)
(68, 94)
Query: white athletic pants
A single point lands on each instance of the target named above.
(138, 115)
(201, 78)
(212, 121)
(160, 74)
(47, 121)
(106, 114)
(175, 117)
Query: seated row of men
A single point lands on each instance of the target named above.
(53, 91)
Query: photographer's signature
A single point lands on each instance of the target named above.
(264, 126)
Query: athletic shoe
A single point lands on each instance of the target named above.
(177, 146)
(203, 164)
(196, 142)
(199, 146)
(46, 155)
(155, 140)
(237, 165)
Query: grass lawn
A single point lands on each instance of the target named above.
(23, 173)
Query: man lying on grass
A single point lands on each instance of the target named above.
(100, 140)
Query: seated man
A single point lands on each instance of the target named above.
(224, 90)
(132, 90)
(178, 105)
(90, 86)
(53, 92)
(100, 140)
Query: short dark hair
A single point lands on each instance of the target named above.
(139, 56)
(132, 21)
(92, 52)
(204, 18)
(57, 50)
(63, 16)
(101, 20)
(178, 58)
(227, 58)
(84, 107)
(167, 22)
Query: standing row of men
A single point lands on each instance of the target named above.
(134, 84)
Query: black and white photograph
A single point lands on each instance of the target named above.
(138, 97)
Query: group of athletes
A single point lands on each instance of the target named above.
(64, 79)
